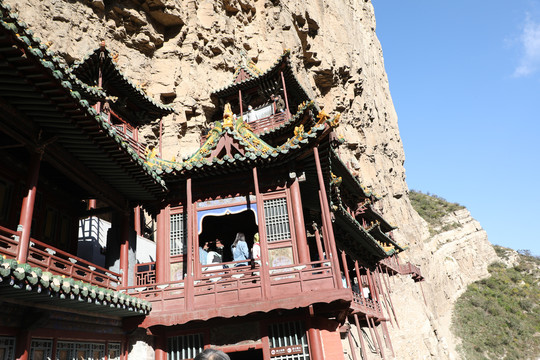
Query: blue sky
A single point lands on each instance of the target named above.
(465, 81)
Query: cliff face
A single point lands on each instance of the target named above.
(179, 51)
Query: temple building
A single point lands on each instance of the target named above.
(266, 245)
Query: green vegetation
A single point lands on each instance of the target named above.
(433, 208)
(499, 317)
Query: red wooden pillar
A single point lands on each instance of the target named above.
(137, 220)
(346, 269)
(285, 94)
(360, 335)
(240, 102)
(378, 338)
(387, 339)
(162, 247)
(300, 228)
(161, 347)
(331, 251)
(23, 343)
(265, 277)
(191, 240)
(316, 351)
(351, 344)
(124, 250)
(27, 210)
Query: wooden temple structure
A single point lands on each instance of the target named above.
(269, 168)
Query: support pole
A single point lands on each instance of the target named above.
(161, 347)
(162, 248)
(161, 138)
(378, 338)
(285, 94)
(240, 102)
(315, 344)
(265, 277)
(300, 227)
(22, 348)
(373, 339)
(387, 295)
(332, 251)
(124, 250)
(346, 269)
(351, 344)
(191, 240)
(387, 339)
(27, 210)
(137, 220)
(360, 336)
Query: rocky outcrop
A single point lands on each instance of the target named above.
(179, 51)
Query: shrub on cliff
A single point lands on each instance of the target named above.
(499, 317)
(433, 209)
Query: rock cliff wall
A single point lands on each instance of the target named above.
(181, 50)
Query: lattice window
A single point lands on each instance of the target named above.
(41, 349)
(114, 351)
(178, 234)
(288, 334)
(184, 347)
(277, 220)
(7, 348)
(67, 350)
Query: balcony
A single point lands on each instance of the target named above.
(237, 291)
(58, 262)
(263, 124)
(393, 267)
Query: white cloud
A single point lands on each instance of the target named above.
(530, 39)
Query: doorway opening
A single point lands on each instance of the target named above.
(224, 228)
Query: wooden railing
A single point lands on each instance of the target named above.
(262, 125)
(395, 267)
(62, 263)
(9, 242)
(237, 284)
(270, 122)
(58, 262)
(121, 131)
(145, 274)
(366, 305)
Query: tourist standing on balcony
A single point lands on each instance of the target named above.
(256, 250)
(203, 253)
(240, 249)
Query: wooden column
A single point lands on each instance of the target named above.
(265, 277)
(381, 349)
(346, 269)
(162, 247)
(22, 345)
(27, 210)
(137, 220)
(332, 250)
(316, 351)
(191, 239)
(300, 227)
(240, 102)
(285, 94)
(359, 330)
(160, 347)
(161, 138)
(351, 344)
(387, 339)
(375, 343)
(124, 250)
